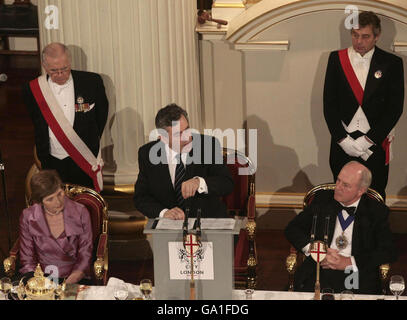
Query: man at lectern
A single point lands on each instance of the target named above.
(181, 169)
(357, 231)
(363, 100)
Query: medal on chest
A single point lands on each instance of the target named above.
(342, 241)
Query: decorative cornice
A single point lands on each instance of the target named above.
(228, 5)
(244, 29)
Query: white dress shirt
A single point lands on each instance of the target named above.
(65, 95)
(172, 165)
(361, 67)
(347, 252)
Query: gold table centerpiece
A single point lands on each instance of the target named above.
(40, 287)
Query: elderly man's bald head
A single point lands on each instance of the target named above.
(360, 169)
(55, 50)
(352, 182)
(56, 60)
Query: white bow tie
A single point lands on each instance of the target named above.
(59, 88)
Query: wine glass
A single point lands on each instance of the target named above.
(21, 289)
(249, 294)
(121, 292)
(5, 286)
(396, 285)
(16, 290)
(327, 294)
(347, 295)
(146, 287)
(60, 290)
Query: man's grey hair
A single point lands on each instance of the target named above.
(53, 50)
(366, 178)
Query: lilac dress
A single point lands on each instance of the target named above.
(71, 251)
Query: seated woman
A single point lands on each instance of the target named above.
(55, 231)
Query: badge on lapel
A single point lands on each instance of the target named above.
(80, 106)
(378, 74)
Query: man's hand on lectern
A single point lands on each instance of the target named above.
(174, 214)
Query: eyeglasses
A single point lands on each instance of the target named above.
(61, 70)
(362, 37)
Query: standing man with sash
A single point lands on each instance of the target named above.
(363, 100)
(69, 111)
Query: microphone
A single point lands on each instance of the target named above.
(198, 226)
(3, 77)
(314, 224)
(1, 162)
(330, 212)
(185, 225)
(326, 229)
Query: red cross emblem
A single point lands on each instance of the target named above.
(318, 251)
(190, 243)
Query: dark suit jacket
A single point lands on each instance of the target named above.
(154, 190)
(382, 101)
(88, 125)
(372, 242)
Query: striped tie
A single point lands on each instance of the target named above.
(179, 178)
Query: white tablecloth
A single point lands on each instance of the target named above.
(107, 293)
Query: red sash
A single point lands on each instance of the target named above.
(358, 91)
(61, 136)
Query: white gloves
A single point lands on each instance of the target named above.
(357, 148)
(364, 145)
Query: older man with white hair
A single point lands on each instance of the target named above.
(69, 111)
(359, 236)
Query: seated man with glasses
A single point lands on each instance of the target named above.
(69, 111)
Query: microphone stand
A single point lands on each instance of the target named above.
(185, 235)
(317, 287)
(197, 237)
(185, 226)
(198, 226)
(324, 245)
(3, 180)
(326, 230)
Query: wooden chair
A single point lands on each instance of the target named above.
(241, 203)
(97, 208)
(292, 259)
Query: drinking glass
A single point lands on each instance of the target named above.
(60, 290)
(5, 286)
(347, 295)
(17, 290)
(146, 287)
(327, 294)
(397, 285)
(249, 294)
(121, 292)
